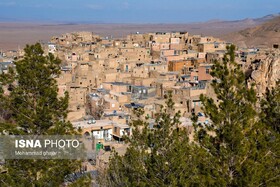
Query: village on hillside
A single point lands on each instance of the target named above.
(108, 78)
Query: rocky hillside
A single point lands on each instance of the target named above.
(264, 35)
(265, 71)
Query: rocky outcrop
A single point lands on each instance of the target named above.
(266, 72)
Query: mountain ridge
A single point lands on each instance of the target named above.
(263, 35)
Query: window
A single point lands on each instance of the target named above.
(207, 71)
(115, 129)
(126, 68)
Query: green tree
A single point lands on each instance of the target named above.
(156, 156)
(235, 142)
(35, 109)
(238, 147)
(270, 106)
(269, 142)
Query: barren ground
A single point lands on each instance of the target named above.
(15, 35)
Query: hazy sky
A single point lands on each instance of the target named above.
(134, 11)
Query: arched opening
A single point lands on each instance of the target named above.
(87, 134)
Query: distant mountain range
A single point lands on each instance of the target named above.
(266, 18)
(265, 34)
(16, 33)
(247, 20)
